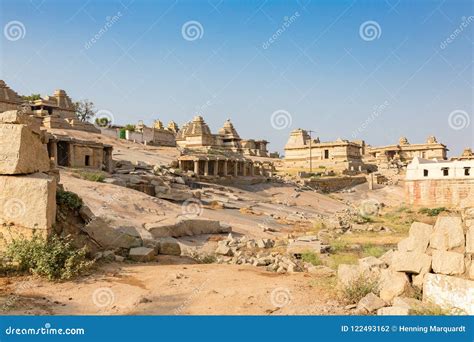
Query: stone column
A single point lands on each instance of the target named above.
(251, 169)
(70, 161)
(54, 152)
(206, 168)
(216, 167)
(196, 167)
(225, 168)
(245, 169)
(180, 164)
(236, 168)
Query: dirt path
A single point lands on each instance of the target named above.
(167, 287)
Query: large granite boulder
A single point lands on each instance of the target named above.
(418, 238)
(21, 148)
(449, 263)
(451, 293)
(28, 201)
(448, 233)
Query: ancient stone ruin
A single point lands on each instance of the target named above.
(27, 190)
(437, 260)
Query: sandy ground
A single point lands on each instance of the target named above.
(171, 287)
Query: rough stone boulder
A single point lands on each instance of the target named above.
(411, 262)
(142, 254)
(347, 273)
(448, 233)
(21, 148)
(392, 284)
(449, 263)
(170, 246)
(109, 237)
(186, 227)
(370, 303)
(450, 293)
(418, 238)
(28, 200)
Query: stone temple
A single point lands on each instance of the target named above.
(197, 134)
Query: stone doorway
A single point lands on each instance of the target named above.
(63, 153)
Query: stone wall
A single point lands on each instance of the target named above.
(330, 184)
(440, 192)
(27, 191)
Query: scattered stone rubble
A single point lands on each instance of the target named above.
(261, 253)
(435, 260)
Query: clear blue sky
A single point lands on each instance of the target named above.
(319, 68)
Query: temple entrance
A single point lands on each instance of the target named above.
(63, 153)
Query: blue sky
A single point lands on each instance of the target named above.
(321, 71)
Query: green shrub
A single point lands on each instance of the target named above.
(374, 250)
(359, 287)
(338, 246)
(53, 258)
(311, 258)
(207, 259)
(93, 176)
(68, 199)
(432, 212)
(428, 310)
(129, 127)
(364, 219)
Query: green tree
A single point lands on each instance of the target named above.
(32, 97)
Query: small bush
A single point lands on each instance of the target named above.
(364, 219)
(93, 176)
(311, 258)
(373, 250)
(359, 287)
(208, 259)
(68, 199)
(432, 212)
(428, 310)
(53, 258)
(338, 246)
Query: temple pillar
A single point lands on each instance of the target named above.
(251, 169)
(216, 167)
(70, 161)
(206, 168)
(225, 168)
(54, 152)
(180, 165)
(196, 167)
(245, 169)
(236, 168)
